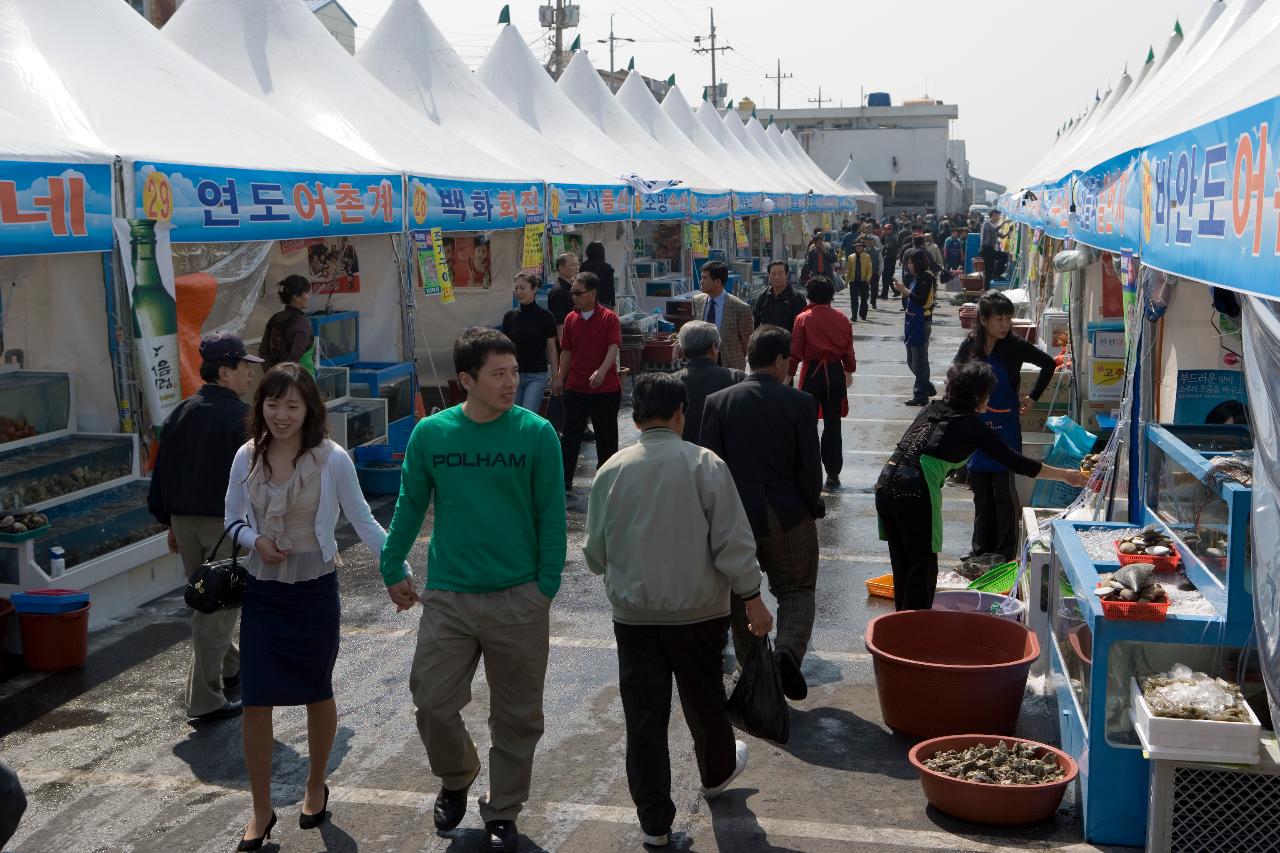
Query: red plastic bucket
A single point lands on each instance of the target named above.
(57, 641)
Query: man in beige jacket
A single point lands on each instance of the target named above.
(666, 528)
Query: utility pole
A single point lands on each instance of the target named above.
(557, 58)
(715, 89)
(612, 39)
(558, 18)
(779, 77)
(819, 100)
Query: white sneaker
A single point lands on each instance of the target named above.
(739, 766)
(656, 840)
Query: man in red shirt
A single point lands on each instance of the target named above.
(822, 348)
(588, 375)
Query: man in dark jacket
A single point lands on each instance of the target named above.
(700, 343)
(188, 489)
(768, 433)
(780, 303)
(819, 260)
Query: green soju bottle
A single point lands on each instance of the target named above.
(155, 324)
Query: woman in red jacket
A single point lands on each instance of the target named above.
(822, 350)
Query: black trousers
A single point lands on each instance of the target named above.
(886, 280)
(995, 513)
(859, 295)
(648, 657)
(908, 527)
(988, 263)
(602, 409)
(830, 392)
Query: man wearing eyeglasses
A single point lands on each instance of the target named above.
(588, 375)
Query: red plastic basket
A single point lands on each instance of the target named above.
(1136, 611)
(1165, 565)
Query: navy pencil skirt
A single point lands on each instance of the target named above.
(289, 641)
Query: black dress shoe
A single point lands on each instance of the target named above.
(794, 686)
(915, 402)
(230, 709)
(231, 682)
(311, 821)
(256, 843)
(503, 835)
(832, 483)
(451, 807)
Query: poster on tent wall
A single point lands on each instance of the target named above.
(533, 253)
(424, 256)
(711, 207)
(1210, 397)
(740, 241)
(667, 204)
(212, 204)
(1211, 201)
(147, 259)
(54, 208)
(453, 205)
(332, 265)
(469, 261)
(583, 203)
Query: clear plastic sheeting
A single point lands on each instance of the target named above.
(1262, 358)
(239, 268)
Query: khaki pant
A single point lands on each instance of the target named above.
(215, 655)
(511, 630)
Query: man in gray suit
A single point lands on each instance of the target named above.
(727, 312)
(700, 343)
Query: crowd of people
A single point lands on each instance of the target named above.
(729, 465)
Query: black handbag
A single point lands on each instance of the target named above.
(218, 584)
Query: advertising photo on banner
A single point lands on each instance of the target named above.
(147, 260)
(54, 208)
(211, 204)
(332, 265)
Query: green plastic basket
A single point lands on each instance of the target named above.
(999, 579)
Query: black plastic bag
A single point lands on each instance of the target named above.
(756, 705)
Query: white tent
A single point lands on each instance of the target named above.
(96, 72)
(819, 183)
(512, 73)
(280, 52)
(677, 109)
(636, 98)
(583, 87)
(793, 150)
(409, 55)
(709, 117)
(853, 183)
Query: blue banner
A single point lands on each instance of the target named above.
(799, 202)
(781, 203)
(1108, 201)
(454, 205)
(1211, 202)
(710, 207)
(54, 208)
(211, 204)
(583, 203)
(668, 204)
(748, 204)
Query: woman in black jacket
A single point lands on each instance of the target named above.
(995, 520)
(595, 263)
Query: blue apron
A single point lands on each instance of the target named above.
(1002, 416)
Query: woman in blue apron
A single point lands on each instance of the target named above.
(995, 506)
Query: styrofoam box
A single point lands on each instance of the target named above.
(1194, 740)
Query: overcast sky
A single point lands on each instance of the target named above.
(1017, 69)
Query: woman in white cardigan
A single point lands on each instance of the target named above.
(287, 486)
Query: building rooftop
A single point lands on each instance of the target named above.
(914, 111)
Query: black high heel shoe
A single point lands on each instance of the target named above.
(256, 843)
(311, 821)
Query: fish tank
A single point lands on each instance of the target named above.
(333, 383)
(30, 477)
(33, 403)
(337, 335)
(358, 421)
(395, 382)
(1212, 439)
(89, 527)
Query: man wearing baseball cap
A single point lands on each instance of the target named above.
(188, 487)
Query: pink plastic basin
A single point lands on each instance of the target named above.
(947, 673)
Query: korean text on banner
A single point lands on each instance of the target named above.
(667, 204)
(582, 203)
(148, 272)
(211, 204)
(534, 243)
(454, 205)
(444, 275)
(54, 208)
(740, 235)
(711, 207)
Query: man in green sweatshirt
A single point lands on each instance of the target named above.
(494, 563)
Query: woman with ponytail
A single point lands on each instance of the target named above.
(288, 334)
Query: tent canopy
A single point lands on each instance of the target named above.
(634, 96)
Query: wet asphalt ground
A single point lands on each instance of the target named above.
(109, 762)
